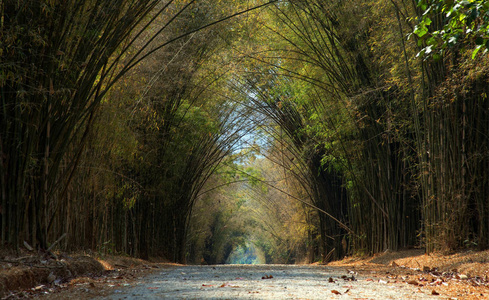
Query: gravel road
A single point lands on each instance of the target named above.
(267, 282)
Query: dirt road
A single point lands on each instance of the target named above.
(268, 282)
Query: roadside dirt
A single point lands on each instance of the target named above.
(462, 275)
(80, 275)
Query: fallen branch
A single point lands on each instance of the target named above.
(57, 241)
(28, 246)
(329, 255)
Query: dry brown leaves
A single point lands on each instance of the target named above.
(463, 275)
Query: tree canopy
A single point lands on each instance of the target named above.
(256, 131)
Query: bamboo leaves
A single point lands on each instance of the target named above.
(463, 21)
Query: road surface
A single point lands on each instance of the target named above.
(268, 282)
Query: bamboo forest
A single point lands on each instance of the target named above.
(254, 131)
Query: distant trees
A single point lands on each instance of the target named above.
(256, 210)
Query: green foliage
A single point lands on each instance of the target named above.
(464, 22)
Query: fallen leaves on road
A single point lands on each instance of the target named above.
(39, 287)
(349, 278)
(413, 282)
(338, 293)
(228, 285)
(462, 275)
